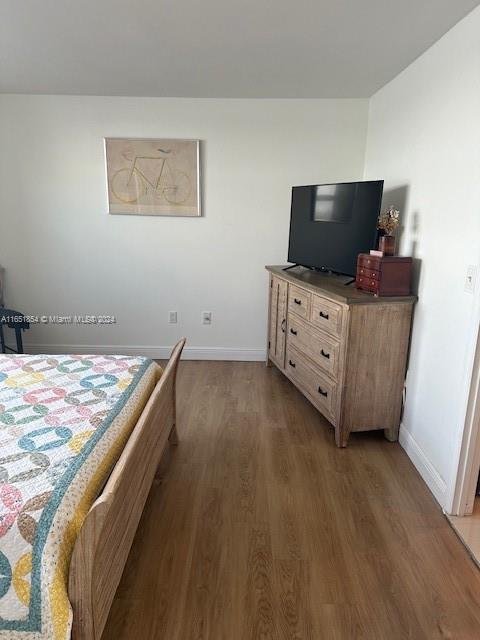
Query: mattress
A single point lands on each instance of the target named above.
(64, 421)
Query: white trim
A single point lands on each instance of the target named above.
(157, 353)
(469, 462)
(432, 478)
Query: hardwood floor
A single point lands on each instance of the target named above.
(468, 530)
(261, 529)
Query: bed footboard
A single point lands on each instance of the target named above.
(106, 536)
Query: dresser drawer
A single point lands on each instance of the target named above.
(367, 284)
(315, 344)
(299, 301)
(369, 262)
(318, 387)
(326, 315)
(368, 274)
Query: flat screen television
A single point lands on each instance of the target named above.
(331, 224)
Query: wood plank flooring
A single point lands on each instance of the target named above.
(259, 528)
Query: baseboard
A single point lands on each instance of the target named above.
(157, 353)
(430, 475)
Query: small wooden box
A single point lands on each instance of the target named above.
(384, 276)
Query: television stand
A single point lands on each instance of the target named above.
(332, 273)
(323, 270)
(344, 349)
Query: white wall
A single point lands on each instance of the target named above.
(64, 255)
(424, 139)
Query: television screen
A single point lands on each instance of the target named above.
(331, 224)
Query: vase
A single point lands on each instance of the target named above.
(386, 244)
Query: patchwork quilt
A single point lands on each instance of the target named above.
(64, 421)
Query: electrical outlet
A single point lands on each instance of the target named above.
(207, 317)
(471, 278)
(172, 317)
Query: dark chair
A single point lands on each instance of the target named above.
(16, 321)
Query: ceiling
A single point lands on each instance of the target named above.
(216, 48)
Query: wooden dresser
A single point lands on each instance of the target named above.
(344, 349)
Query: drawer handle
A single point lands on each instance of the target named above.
(325, 355)
(322, 392)
(292, 364)
(297, 301)
(293, 332)
(324, 315)
(283, 325)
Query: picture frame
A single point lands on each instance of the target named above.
(153, 176)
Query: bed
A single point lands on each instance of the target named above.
(81, 438)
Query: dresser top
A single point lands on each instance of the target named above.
(333, 286)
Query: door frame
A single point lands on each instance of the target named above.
(469, 461)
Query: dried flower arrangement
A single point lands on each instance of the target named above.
(388, 220)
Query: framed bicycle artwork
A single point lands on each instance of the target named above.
(157, 177)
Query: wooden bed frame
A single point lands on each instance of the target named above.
(104, 542)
